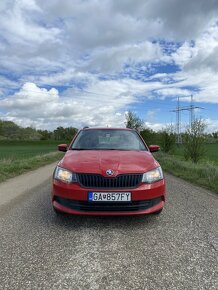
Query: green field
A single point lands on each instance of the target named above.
(25, 149)
(17, 157)
(211, 153)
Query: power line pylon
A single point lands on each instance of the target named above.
(178, 109)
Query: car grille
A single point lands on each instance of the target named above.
(99, 181)
(108, 206)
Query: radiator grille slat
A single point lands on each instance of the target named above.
(98, 181)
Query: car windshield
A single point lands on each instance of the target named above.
(103, 139)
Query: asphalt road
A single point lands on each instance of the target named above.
(177, 250)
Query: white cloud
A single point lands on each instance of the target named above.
(173, 91)
(19, 27)
(211, 125)
(151, 115)
(184, 54)
(109, 33)
(102, 104)
(113, 59)
(86, 47)
(205, 81)
(43, 108)
(201, 54)
(156, 126)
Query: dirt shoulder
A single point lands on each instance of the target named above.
(19, 185)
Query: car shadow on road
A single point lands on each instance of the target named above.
(73, 222)
(76, 221)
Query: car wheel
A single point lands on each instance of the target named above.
(157, 212)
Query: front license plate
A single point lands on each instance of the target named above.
(109, 196)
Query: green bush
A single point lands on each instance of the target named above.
(168, 141)
(194, 141)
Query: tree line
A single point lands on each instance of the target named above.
(11, 131)
(193, 138)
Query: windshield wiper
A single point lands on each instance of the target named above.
(113, 149)
(85, 149)
(79, 149)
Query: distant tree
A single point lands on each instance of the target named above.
(1, 128)
(64, 133)
(149, 136)
(45, 134)
(215, 135)
(59, 133)
(134, 122)
(70, 132)
(194, 141)
(29, 133)
(9, 129)
(167, 139)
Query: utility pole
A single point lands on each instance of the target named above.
(191, 112)
(178, 121)
(178, 109)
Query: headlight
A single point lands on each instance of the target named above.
(65, 175)
(153, 175)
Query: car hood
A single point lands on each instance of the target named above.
(99, 161)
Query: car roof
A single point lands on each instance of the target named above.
(106, 128)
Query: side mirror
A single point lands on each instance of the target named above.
(62, 147)
(154, 148)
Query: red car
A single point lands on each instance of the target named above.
(108, 171)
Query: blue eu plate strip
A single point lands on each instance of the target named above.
(90, 195)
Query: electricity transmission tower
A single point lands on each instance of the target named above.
(178, 110)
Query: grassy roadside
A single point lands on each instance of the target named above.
(17, 157)
(204, 174)
(12, 167)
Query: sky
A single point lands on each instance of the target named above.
(87, 62)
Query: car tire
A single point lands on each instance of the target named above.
(157, 212)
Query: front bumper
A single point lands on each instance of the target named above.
(73, 199)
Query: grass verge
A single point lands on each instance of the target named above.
(204, 174)
(10, 167)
